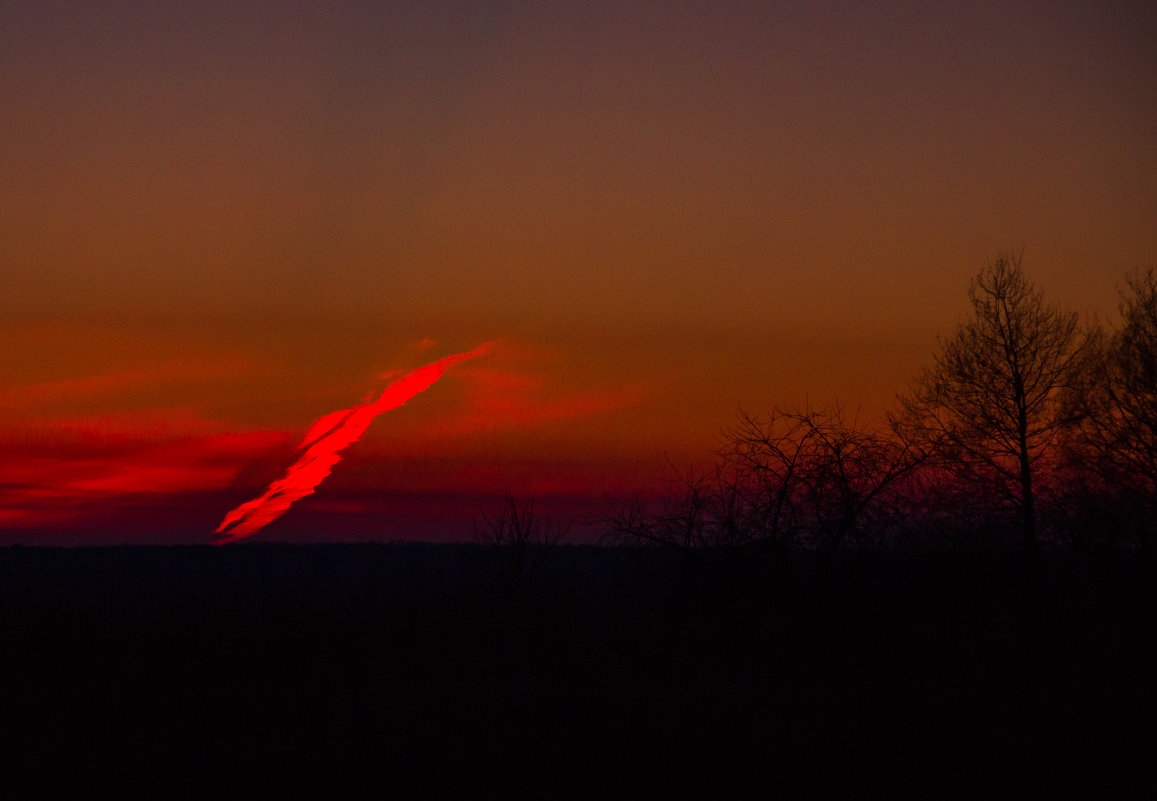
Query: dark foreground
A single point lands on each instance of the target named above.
(409, 671)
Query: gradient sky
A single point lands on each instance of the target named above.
(220, 222)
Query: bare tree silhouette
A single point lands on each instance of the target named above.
(1115, 400)
(812, 477)
(519, 539)
(989, 409)
(793, 477)
(701, 509)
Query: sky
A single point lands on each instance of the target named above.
(220, 222)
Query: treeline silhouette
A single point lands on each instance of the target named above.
(1026, 428)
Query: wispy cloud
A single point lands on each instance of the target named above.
(41, 395)
(41, 484)
(321, 448)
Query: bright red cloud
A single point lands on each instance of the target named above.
(322, 446)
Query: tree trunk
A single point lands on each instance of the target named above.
(1027, 504)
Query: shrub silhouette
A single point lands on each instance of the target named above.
(793, 477)
(519, 540)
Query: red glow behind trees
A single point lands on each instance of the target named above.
(321, 449)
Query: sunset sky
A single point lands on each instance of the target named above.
(221, 222)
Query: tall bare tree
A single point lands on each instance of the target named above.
(989, 408)
(1116, 398)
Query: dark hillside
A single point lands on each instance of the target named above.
(416, 668)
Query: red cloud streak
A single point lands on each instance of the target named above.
(322, 446)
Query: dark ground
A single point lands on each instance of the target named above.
(417, 670)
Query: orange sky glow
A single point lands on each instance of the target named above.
(220, 224)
